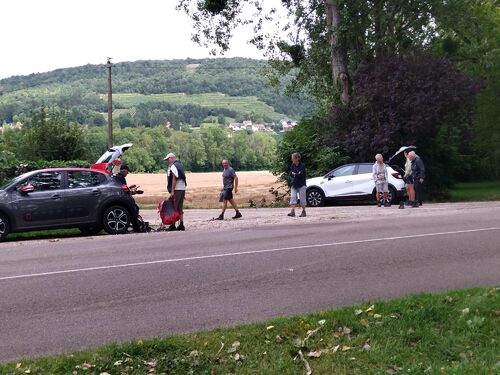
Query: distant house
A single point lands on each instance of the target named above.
(247, 125)
(287, 123)
(236, 126)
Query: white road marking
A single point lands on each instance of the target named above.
(250, 252)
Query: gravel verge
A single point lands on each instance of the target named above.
(200, 220)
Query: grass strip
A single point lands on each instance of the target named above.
(475, 191)
(456, 332)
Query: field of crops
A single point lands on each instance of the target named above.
(240, 104)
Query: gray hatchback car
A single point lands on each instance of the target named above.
(87, 199)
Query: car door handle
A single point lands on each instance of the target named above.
(96, 192)
(56, 196)
(348, 181)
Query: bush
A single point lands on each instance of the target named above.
(305, 138)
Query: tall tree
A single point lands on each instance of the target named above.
(320, 40)
(50, 136)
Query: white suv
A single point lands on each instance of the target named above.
(351, 182)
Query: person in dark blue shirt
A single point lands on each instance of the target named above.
(298, 186)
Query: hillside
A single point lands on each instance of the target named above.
(152, 92)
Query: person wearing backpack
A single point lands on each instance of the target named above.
(176, 186)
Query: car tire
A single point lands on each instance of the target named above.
(116, 220)
(315, 198)
(4, 227)
(392, 196)
(90, 231)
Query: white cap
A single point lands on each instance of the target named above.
(169, 155)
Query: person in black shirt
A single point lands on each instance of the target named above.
(120, 177)
(298, 188)
(124, 169)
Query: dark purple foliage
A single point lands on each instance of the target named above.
(403, 100)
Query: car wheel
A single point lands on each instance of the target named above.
(90, 231)
(116, 220)
(392, 196)
(315, 198)
(4, 227)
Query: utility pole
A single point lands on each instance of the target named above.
(110, 105)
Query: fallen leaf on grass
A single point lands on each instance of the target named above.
(364, 322)
(366, 345)
(318, 353)
(358, 312)
(238, 357)
(346, 330)
(18, 365)
(393, 369)
(269, 327)
(278, 339)
(234, 347)
(86, 366)
(345, 348)
(370, 309)
(377, 316)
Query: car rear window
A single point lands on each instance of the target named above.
(83, 179)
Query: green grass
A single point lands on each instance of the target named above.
(475, 191)
(52, 234)
(240, 104)
(457, 332)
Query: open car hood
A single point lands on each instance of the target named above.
(110, 155)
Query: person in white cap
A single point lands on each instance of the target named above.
(176, 186)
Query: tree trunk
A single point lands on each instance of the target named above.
(339, 54)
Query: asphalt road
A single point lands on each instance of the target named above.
(71, 294)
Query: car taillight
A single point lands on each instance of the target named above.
(125, 189)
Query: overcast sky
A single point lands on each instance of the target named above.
(43, 35)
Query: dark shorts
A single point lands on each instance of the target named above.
(179, 200)
(226, 195)
(409, 180)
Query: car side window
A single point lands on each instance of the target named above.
(346, 170)
(44, 181)
(365, 168)
(83, 179)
